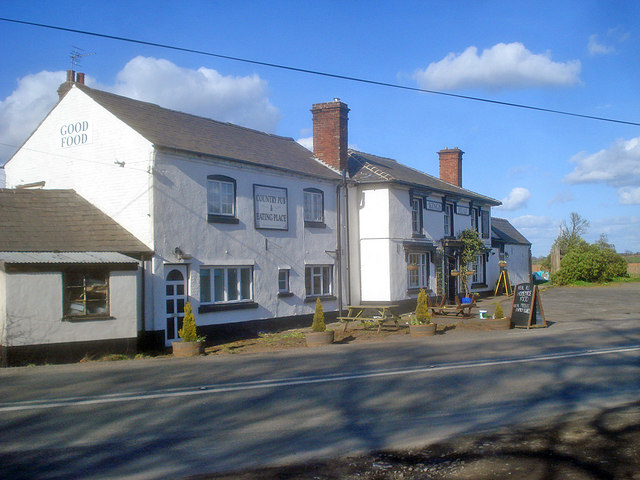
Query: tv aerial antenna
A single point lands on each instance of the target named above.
(76, 54)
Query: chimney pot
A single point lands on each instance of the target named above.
(80, 78)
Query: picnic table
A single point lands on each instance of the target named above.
(369, 313)
(463, 309)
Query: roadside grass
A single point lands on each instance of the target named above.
(635, 278)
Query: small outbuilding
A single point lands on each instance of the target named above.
(509, 245)
(69, 279)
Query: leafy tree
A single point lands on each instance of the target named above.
(471, 247)
(590, 263)
(318, 324)
(571, 233)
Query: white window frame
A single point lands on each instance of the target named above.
(220, 287)
(478, 269)
(283, 280)
(418, 278)
(448, 220)
(416, 216)
(221, 196)
(86, 292)
(313, 206)
(321, 273)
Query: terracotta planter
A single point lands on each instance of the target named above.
(187, 349)
(315, 339)
(423, 330)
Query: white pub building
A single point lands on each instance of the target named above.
(249, 227)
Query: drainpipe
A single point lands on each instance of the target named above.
(339, 245)
(346, 234)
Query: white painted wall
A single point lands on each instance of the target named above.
(180, 220)
(3, 306)
(89, 168)
(518, 265)
(34, 313)
(374, 216)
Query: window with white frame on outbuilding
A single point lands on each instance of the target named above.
(86, 292)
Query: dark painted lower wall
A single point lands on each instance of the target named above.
(66, 352)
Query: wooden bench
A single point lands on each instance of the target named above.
(369, 313)
(463, 309)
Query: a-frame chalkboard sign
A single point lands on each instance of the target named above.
(504, 284)
(526, 309)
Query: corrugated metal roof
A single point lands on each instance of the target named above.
(65, 257)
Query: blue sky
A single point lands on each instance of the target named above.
(578, 56)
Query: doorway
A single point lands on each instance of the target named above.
(176, 297)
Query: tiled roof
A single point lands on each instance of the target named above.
(182, 131)
(59, 221)
(502, 230)
(367, 168)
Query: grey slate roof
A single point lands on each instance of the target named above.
(367, 168)
(182, 131)
(503, 231)
(59, 221)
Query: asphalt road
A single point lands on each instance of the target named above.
(172, 418)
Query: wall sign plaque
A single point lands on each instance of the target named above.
(270, 207)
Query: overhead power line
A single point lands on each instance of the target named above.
(317, 72)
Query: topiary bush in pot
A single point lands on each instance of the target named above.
(319, 334)
(192, 344)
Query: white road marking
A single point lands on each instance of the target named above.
(289, 382)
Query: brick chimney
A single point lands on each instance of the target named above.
(72, 78)
(330, 133)
(451, 165)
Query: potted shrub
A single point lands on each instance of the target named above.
(498, 322)
(420, 324)
(319, 335)
(192, 344)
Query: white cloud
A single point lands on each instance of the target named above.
(306, 142)
(24, 109)
(629, 195)
(597, 48)
(516, 199)
(499, 67)
(205, 92)
(618, 165)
